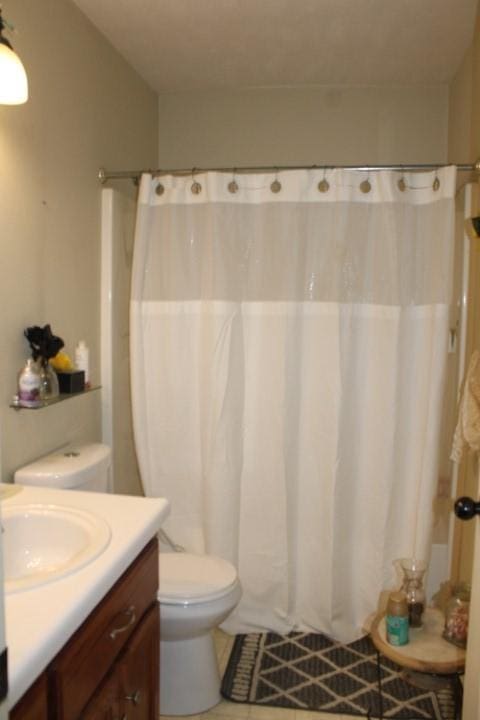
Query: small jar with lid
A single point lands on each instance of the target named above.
(456, 616)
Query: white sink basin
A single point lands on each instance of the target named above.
(42, 543)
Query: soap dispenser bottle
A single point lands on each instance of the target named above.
(29, 385)
(81, 360)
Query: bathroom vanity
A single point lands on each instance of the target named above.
(87, 645)
(111, 664)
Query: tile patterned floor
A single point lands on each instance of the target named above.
(226, 710)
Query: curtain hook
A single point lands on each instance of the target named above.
(232, 185)
(402, 185)
(196, 188)
(160, 188)
(365, 185)
(324, 186)
(276, 185)
(436, 182)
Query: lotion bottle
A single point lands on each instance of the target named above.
(81, 360)
(29, 385)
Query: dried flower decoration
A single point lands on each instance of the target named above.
(43, 343)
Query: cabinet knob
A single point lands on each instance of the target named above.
(134, 697)
(131, 614)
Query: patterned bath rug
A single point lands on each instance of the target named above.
(312, 672)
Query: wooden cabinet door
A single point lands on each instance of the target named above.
(140, 667)
(33, 705)
(107, 702)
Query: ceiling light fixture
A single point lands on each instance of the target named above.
(13, 78)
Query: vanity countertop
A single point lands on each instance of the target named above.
(39, 621)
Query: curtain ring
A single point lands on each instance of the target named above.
(276, 185)
(324, 186)
(401, 184)
(160, 189)
(436, 183)
(196, 188)
(232, 185)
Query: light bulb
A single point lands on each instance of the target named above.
(13, 78)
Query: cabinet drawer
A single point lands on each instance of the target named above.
(81, 665)
(130, 690)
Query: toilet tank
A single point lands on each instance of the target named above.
(76, 467)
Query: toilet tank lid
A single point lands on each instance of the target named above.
(189, 577)
(67, 467)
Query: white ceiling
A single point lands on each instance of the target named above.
(178, 45)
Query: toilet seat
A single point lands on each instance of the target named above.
(187, 579)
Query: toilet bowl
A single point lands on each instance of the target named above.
(197, 592)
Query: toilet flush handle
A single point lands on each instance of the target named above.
(130, 612)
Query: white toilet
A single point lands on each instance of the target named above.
(197, 592)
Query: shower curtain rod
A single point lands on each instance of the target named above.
(105, 175)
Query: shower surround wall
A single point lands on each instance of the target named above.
(118, 222)
(87, 108)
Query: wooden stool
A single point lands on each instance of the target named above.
(430, 661)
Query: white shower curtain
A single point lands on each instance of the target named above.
(288, 352)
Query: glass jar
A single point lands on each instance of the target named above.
(456, 616)
(48, 381)
(413, 572)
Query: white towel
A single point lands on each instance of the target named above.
(467, 433)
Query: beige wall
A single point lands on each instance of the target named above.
(464, 105)
(460, 112)
(87, 108)
(273, 126)
(475, 122)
